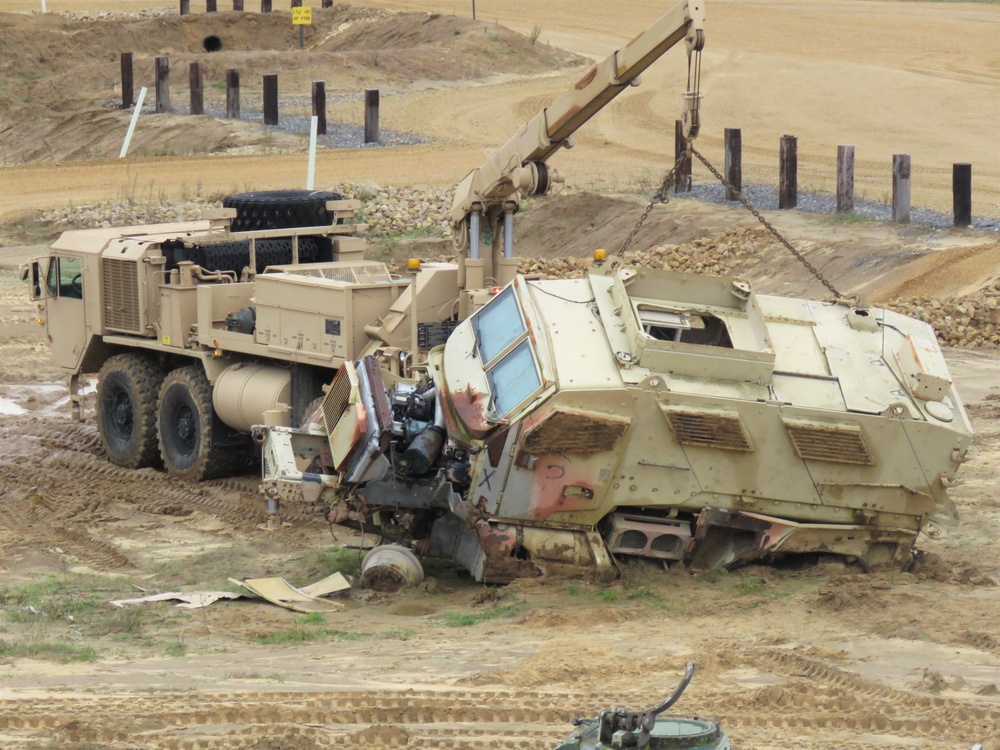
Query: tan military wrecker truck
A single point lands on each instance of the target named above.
(517, 426)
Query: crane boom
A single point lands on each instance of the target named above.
(520, 164)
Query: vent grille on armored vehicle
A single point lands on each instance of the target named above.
(709, 429)
(566, 431)
(362, 273)
(336, 399)
(120, 291)
(843, 443)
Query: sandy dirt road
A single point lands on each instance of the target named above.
(885, 77)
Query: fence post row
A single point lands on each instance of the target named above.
(371, 116)
(233, 94)
(845, 178)
(734, 161)
(128, 81)
(163, 85)
(901, 188)
(271, 100)
(319, 106)
(788, 172)
(197, 79)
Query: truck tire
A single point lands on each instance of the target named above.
(128, 386)
(184, 418)
(280, 209)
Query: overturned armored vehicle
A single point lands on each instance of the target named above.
(644, 413)
(679, 417)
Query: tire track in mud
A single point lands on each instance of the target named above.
(840, 702)
(55, 482)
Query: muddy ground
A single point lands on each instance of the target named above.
(812, 657)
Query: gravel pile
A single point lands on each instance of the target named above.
(391, 211)
(970, 321)
(106, 15)
(726, 254)
(765, 197)
(124, 213)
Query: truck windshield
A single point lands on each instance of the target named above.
(508, 360)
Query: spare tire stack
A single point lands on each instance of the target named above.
(280, 209)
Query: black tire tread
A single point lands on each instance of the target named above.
(279, 209)
(146, 376)
(213, 462)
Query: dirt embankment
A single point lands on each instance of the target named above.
(64, 95)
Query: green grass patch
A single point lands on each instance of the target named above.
(62, 653)
(175, 649)
(400, 635)
(304, 630)
(467, 619)
(347, 561)
(608, 595)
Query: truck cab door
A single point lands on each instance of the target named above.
(65, 319)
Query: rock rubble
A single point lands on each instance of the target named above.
(969, 321)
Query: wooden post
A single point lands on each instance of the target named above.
(233, 94)
(788, 172)
(473, 10)
(319, 106)
(734, 161)
(128, 81)
(901, 188)
(961, 193)
(845, 178)
(211, 6)
(271, 100)
(163, 84)
(682, 183)
(371, 116)
(327, 3)
(296, 3)
(237, 4)
(185, 7)
(197, 79)
(265, 6)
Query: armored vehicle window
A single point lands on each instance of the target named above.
(498, 325)
(65, 278)
(514, 378)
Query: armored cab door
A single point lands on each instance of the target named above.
(65, 310)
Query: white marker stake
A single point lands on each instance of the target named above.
(311, 176)
(131, 125)
(44, 9)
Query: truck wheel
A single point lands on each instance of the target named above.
(127, 389)
(279, 209)
(184, 426)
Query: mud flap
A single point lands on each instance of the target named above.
(730, 538)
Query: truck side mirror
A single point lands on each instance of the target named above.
(31, 271)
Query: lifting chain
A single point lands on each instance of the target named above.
(662, 196)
